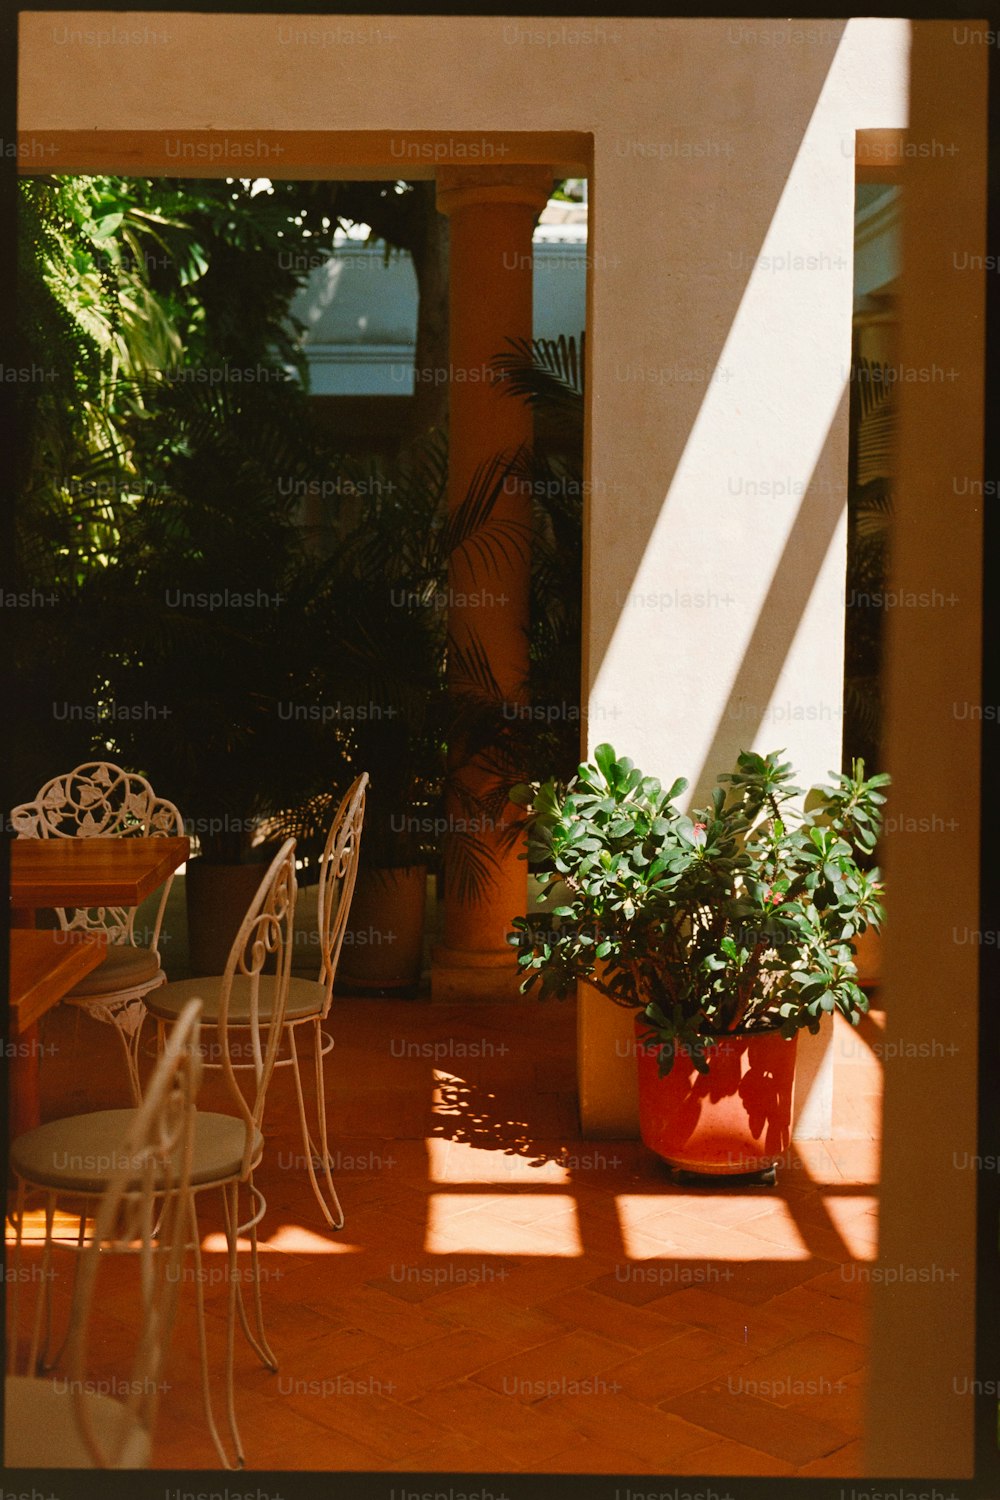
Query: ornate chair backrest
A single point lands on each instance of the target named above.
(145, 1210)
(100, 800)
(338, 873)
(261, 954)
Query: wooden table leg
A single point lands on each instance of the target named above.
(24, 1094)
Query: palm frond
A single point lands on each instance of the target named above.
(470, 671)
(469, 869)
(873, 509)
(863, 703)
(540, 368)
(876, 424)
(474, 532)
(548, 374)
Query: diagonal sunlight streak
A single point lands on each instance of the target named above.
(756, 695)
(764, 452)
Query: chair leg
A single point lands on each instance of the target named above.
(44, 1302)
(271, 1359)
(327, 1200)
(230, 1196)
(49, 1363)
(199, 1282)
(130, 1045)
(258, 1342)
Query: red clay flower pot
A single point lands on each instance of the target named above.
(735, 1118)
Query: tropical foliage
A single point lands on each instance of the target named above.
(131, 308)
(198, 624)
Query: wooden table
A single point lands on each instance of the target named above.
(44, 966)
(89, 872)
(77, 872)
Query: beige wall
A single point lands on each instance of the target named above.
(734, 497)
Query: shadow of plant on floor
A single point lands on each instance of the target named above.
(469, 1112)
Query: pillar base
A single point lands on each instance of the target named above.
(606, 1076)
(459, 974)
(813, 1119)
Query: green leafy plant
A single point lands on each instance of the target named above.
(126, 286)
(735, 917)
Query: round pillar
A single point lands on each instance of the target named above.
(492, 213)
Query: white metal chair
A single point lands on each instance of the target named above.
(308, 1000)
(99, 799)
(142, 1211)
(227, 1147)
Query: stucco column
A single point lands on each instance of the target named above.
(492, 212)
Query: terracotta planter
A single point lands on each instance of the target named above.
(217, 901)
(737, 1118)
(384, 940)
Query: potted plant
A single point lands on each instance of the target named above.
(726, 930)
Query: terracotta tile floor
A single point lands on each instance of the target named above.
(506, 1296)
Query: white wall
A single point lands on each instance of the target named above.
(360, 313)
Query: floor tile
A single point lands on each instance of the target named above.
(847, 1462)
(722, 1456)
(449, 1357)
(658, 1442)
(733, 1414)
(574, 1363)
(588, 1310)
(505, 1296)
(690, 1359)
(756, 1326)
(389, 1428)
(811, 1365)
(475, 1411)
